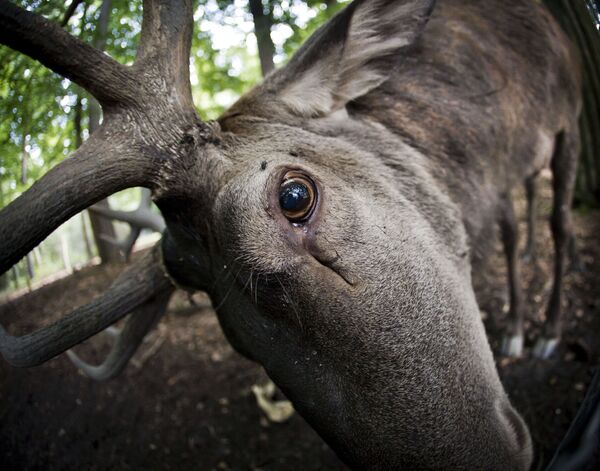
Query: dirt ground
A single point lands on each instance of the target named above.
(185, 401)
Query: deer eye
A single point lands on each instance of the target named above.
(297, 197)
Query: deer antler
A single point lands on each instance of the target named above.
(63, 53)
(87, 176)
(149, 122)
(128, 340)
(137, 284)
(141, 217)
(142, 130)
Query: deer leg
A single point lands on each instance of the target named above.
(564, 166)
(576, 262)
(512, 343)
(531, 193)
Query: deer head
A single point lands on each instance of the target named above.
(332, 255)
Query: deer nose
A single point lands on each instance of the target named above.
(516, 435)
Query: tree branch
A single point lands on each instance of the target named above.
(70, 11)
(136, 285)
(46, 42)
(102, 166)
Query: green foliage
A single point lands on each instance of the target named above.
(301, 29)
(222, 67)
(37, 106)
(225, 59)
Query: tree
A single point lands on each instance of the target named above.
(262, 30)
(262, 14)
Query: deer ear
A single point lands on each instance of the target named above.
(345, 58)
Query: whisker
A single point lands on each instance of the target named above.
(290, 301)
(256, 290)
(220, 277)
(229, 290)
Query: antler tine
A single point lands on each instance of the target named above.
(90, 174)
(48, 43)
(135, 286)
(140, 217)
(126, 245)
(146, 199)
(165, 44)
(128, 340)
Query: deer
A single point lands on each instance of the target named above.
(334, 213)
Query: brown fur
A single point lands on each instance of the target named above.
(365, 315)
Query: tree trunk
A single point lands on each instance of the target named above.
(29, 265)
(64, 253)
(4, 277)
(24, 158)
(70, 11)
(104, 232)
(86, 238)
(37, 255)
(102, 228)
(1, 195)
(262, 31)
(14, 271)
(78, 141)
(29, 272)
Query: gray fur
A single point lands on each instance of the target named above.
(365, 316)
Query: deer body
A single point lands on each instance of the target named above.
(334, 212)
(428, 156)
(483, 95)
(488, 107)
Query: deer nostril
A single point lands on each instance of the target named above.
(518, 438)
